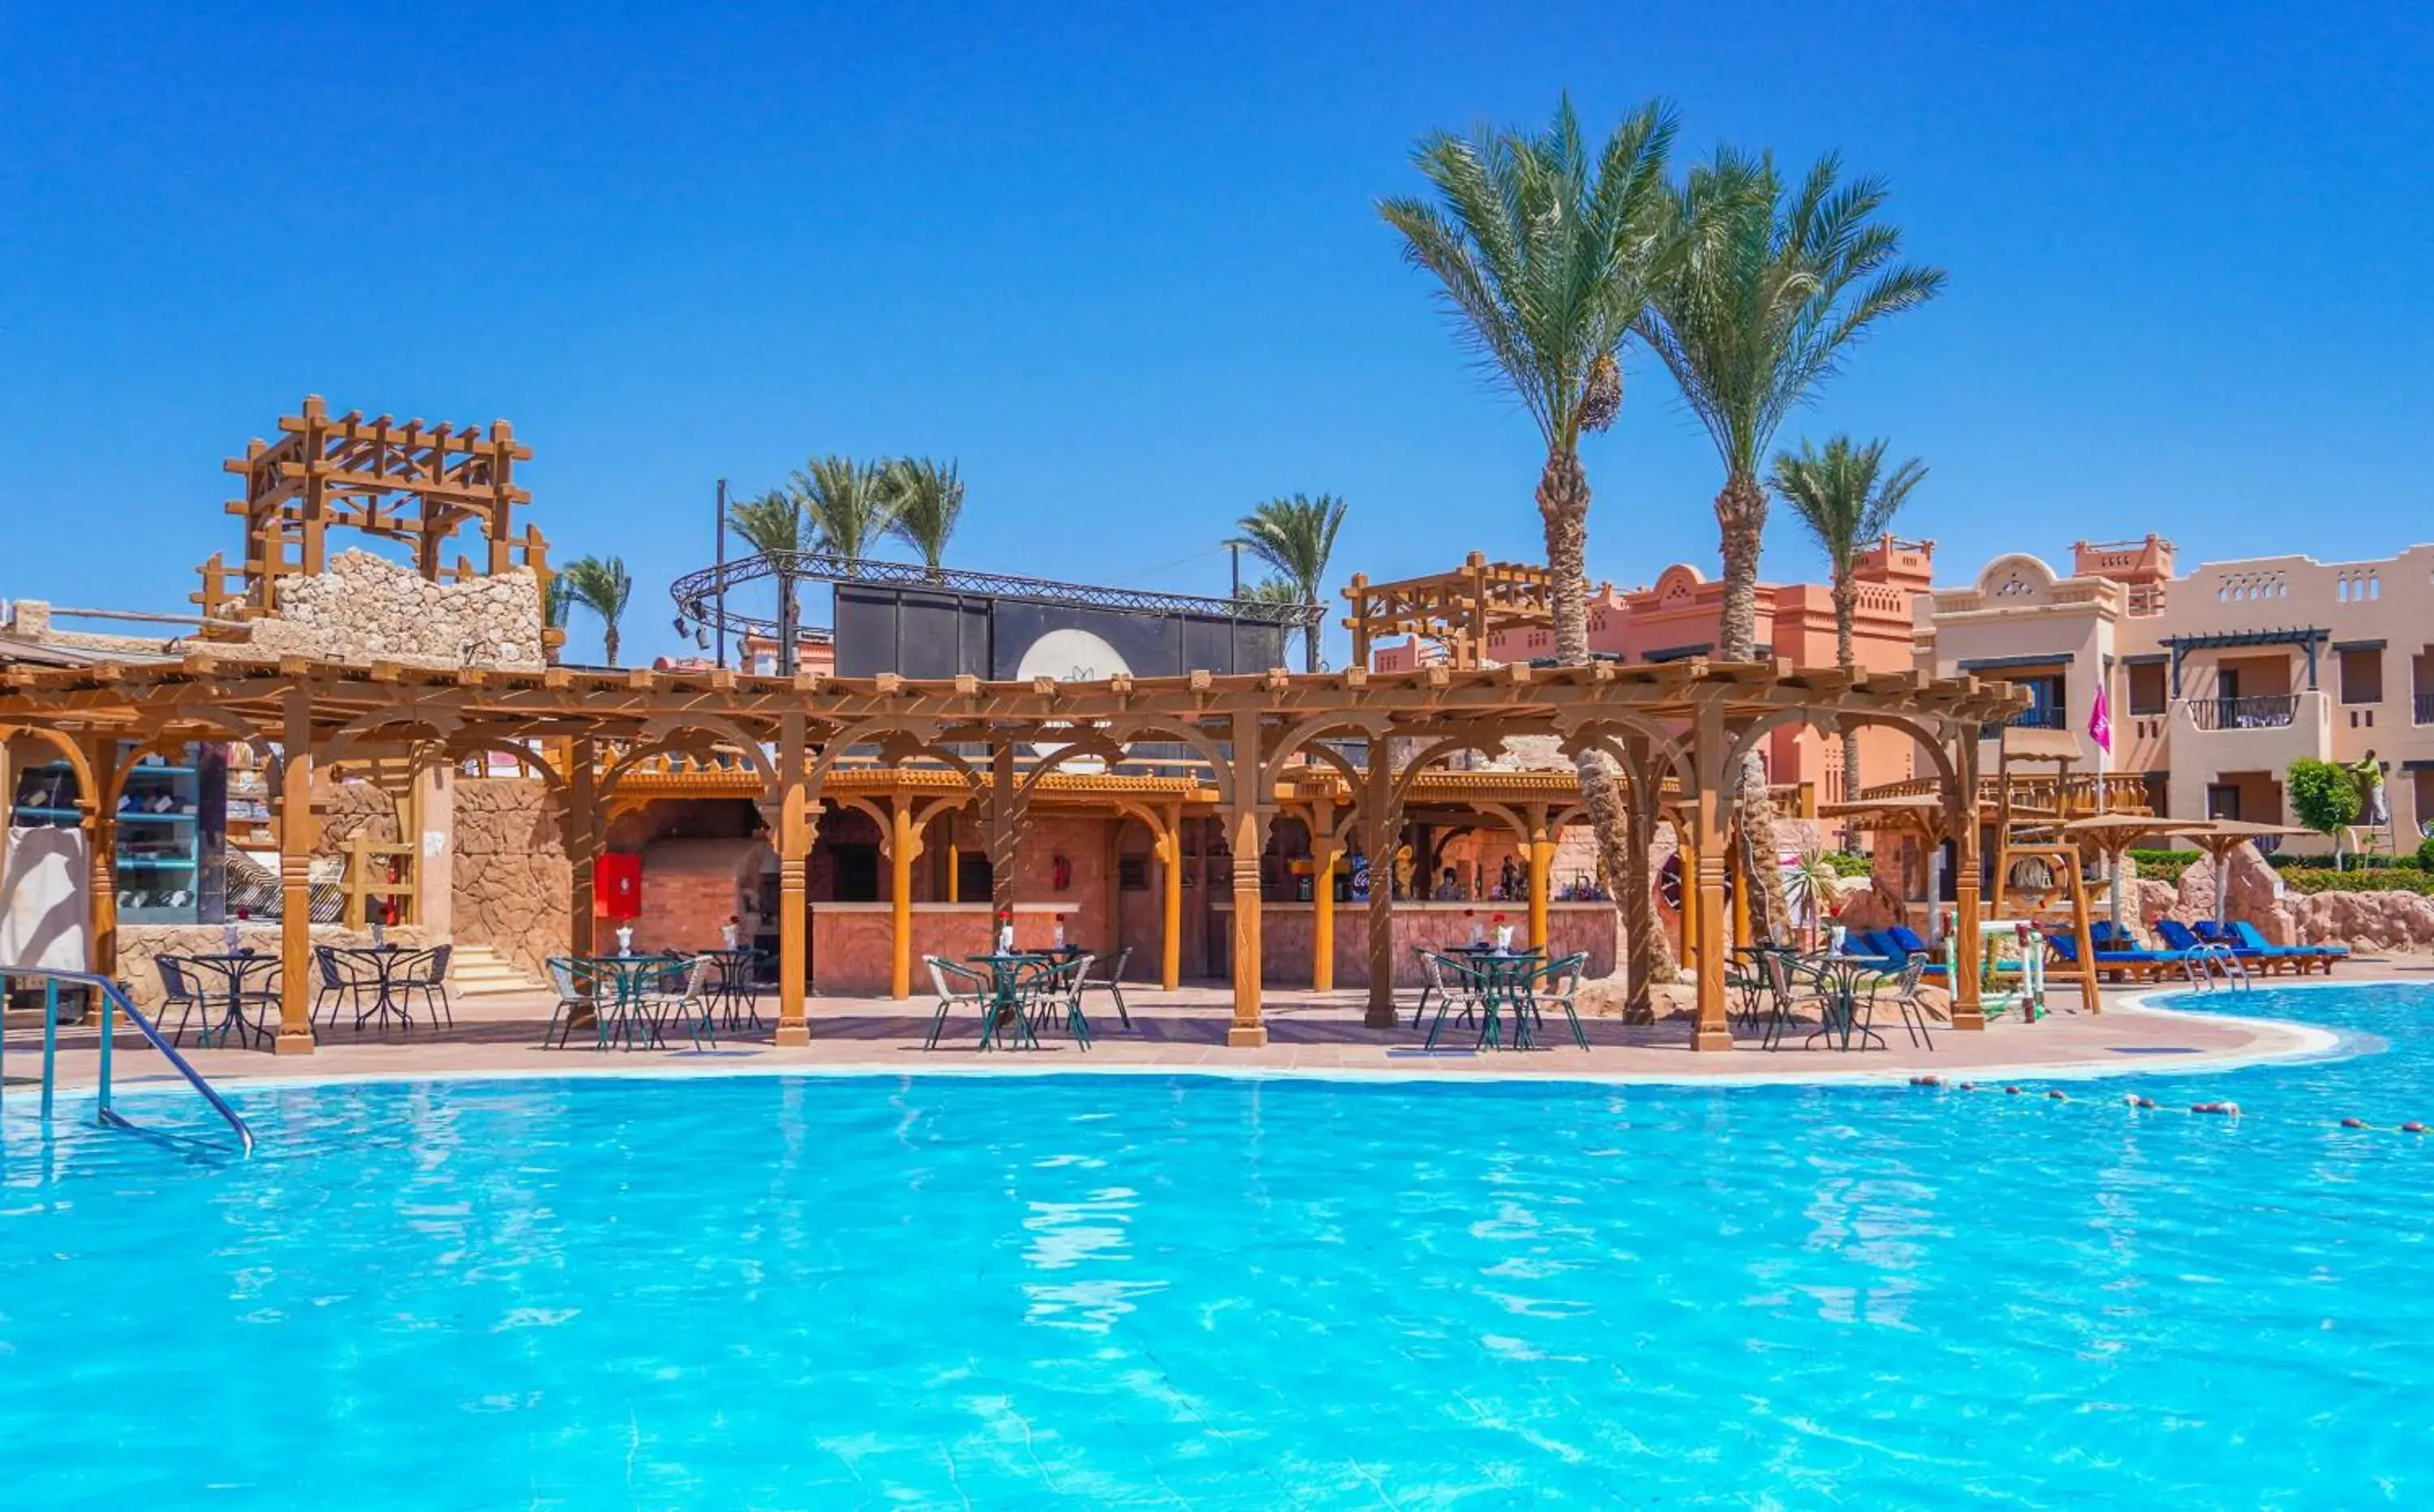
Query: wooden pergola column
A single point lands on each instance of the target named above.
(903, 843)
(1968, 1010)
(1170, 860)
(1247, 816)
(1541, 845)
(1007, 810)
(298, 830)
(792, 797)
(1378, 827)
(1324, 849)
(1710, 1030)
(98, 796)
(579, 834)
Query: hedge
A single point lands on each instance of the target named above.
(2378, 879)
(2165, 866)
(1846, 864)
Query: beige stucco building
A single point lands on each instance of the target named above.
(2215, 680)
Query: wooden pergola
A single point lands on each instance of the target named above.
(1458, 609)
(1686, 725)
(391, 479)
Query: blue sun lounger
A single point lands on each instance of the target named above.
(2246, 942)
(2120, 963)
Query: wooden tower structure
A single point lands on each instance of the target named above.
(1458, 609)
(400, 481)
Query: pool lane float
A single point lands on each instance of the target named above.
(2353, 1122)
(2227, 1109)
(2057, 1095)
(2412, 1127)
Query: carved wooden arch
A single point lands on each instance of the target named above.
(1663, 744)
(1293, 738)
(66, 747)
(1430, 755)
(661, 737)
(459, 747)
(1090, 743)
(341, 743)
(1830, 722)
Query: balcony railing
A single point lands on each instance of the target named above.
(2264, 711)
(2426, 708)
(2084, 793)
(2046, 718)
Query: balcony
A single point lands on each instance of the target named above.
(2049, 717)
(2264, 711)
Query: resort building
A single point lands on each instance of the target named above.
(2214, 681)
(1677, 617)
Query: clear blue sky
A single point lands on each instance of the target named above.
(1123, 263)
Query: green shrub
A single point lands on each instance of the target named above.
(1846, 863)
(2386, 879)
(2323, 796)
(2165, 866)
(2426, 854)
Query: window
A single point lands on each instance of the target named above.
(2222, 800)
(2046, 702)
(2362, 676)
(2148, 685)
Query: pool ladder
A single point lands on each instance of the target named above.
(113, 1001)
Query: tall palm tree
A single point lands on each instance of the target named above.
(601, 585)
(1775, 285)
(1296, 537)
(1845, 503)
(773, 525)
(925, 499)
(1546, 254)
(849, 503)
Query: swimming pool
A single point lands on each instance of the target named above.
(1008, 1292)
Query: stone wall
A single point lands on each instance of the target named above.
(367, 608)
(138, 944)
(510, 872)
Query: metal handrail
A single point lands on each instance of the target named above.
(2254, 711)
(114, 999)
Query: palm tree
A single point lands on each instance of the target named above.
(1774, 286)
(925, 499)
(773, 525)
(1296, 537)
(849, 504)
(1839, 495)
(600, 583)
(1546, 255)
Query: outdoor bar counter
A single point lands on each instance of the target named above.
(1286, 932)
(853, 943)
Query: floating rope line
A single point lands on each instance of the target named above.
(2140, 1102)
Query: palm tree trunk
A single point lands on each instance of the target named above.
(1564, 508)
(1847, 604)
(1310, 635)
(1740, 512)
(609, 641)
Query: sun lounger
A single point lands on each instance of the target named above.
(2248, 942)
(2142, 964)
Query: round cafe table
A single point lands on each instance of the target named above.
(731, 988)
(234, 968)
(1503, 978)
(626, 974)
(1006, 972)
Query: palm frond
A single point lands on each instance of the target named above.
(601, 585)
(1775, 285)
(1544, 256)
(845, 502)
(772, 523)
(1844, 495)
(925, 499)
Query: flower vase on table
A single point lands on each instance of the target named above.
(1005, 934)
(1504, 939)
(730, 933)
(625, 940)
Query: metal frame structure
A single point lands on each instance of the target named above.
(700, 596)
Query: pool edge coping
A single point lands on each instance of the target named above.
(2300, 1042)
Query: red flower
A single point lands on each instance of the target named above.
(1499, 918)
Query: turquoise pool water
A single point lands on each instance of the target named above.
(1208, 1293)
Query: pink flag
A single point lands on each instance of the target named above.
(2100, 724)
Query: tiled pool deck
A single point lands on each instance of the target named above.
(1185, 1030)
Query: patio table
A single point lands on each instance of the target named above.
(1838, 979)
(233, 968)
(730, 987)
(1503, 978)
(383, 961)
(1006, 972)
(627, 975)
